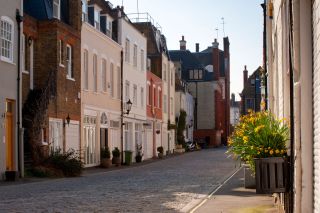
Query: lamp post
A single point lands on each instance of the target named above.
(126, 112)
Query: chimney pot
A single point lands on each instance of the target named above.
(245, 75)
(183, 44)
(197, 47)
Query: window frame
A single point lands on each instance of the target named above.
(135, 95)
(9, 22)
(135, 55)
(70, 73)
(112, 79)
(58, 4)
(95, 72)
(86, 68)
(127, 51)
(104, 75)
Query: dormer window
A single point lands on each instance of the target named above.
(84, 10)
(56, 9)
(109, 27)
(97, 19)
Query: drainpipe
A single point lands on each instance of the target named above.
(121, 105)
(19, 20)
(292, 124)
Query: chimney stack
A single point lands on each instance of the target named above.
(245, 75)
(183, 44)
(197, 47)
(215, 44)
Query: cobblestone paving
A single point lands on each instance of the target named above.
(163, 186)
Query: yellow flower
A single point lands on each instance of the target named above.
(258, 153)
(266, 151)
(258, 128)
(271, 152)
(251, 147)
(277, 151)
(245, 139)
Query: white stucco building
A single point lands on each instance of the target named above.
(100, 86)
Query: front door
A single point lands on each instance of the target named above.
(104, 138)
(9, 135)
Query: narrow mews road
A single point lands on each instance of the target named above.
(169, 185)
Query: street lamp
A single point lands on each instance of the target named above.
(67, 119)
(128, 107)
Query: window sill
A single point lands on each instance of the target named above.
(71, 79)
(26, 72)
(61, 65)
(7, 60)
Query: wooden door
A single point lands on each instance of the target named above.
(9, 135)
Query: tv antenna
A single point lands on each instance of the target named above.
(223, 23)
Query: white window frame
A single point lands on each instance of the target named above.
(191, 74)
(4, 39)
(86, 69)
(104, 75)
(23, 54)
(56, 5)
(96, 19)
(159, 97)
(60, 43)
(95, 72)
(127, 91)
(135, 55)
(70, 74)
(112, 80)
(118, 82)
(142, 97)
(135, 95)
(84, 10)
(165, 103)
(142, 59)
(127, 51)
(154, 98)
(164, 77)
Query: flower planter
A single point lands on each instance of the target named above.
(138, 158)
(116, 161)
(106, 162)
(271, 175)
(249, 178)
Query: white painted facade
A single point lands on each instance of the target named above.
(305, 146)
(134, 45)
(100, 93)
(8, 89)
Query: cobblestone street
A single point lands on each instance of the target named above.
(167, 185)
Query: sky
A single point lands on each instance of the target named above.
(198, 20)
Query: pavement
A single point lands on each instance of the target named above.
(232, 197)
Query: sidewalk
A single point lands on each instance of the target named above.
(233, 197)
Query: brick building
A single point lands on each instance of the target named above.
(251, 93)
(207, 75)
(51, 77)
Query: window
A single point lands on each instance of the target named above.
(69, 62)
(95, 70)
(97, 19)
(135, 55)
(135, 95)
(119, 82)
(164, 72)
(200, 74)
(249, 104)
(108, 28)
(155, 104)
(149, 94)
(111, 80)
(104, 75)
(84, 10)
(142, 97)
(196, 74)
(142, 60)
(171, 106)
(127, 51)
(127, 90)
(61, 53)
(165, 103)
(7, 29)
(171, 79)
(56, 9)
(85, 69)
(159, 97)
(190, 74)
(23, 53)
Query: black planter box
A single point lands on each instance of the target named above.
(11, 175)
(272, 175)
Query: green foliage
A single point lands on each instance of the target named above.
(116, 152)
(68, 163)
(259, 135)
(160, 149)
(181, 127)
(105, 152)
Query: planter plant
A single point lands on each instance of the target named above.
(260, 141)
(139, 153)
(105, 157)
(116, 156)
(160, 151)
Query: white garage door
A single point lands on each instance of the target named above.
(316, 102)
(73, 136)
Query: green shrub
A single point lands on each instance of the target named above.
(105, 152)
(116, 152)
(160, 149)
(68, 163)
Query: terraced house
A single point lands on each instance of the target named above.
(101, 76)
(10, 89)
(51, 76)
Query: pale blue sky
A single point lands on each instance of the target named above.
(197, 21)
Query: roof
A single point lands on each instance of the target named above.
(189, 62)
(43, 9)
